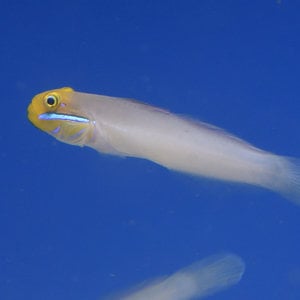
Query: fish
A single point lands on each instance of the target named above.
(129, 128)
(196, 281)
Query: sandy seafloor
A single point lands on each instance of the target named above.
(78, 225)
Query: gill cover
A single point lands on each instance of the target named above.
(55, 113)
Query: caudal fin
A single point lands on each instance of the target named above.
(198, 280)
(285, 178)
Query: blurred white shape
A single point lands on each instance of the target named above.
(196, 281)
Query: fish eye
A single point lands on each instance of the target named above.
(51, 100)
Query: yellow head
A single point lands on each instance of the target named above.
(56, 113)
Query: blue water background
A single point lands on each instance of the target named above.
(78, 225)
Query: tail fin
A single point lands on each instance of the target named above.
(198, 280)
(285, 178)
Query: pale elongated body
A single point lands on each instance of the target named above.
(130, 128)
(196, 281)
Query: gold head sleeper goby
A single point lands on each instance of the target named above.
(126, 127)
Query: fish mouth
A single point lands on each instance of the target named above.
(31, 114)
(62, 117)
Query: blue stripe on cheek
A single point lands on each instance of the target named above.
(77, 134)
(56, 130)
(62, 117)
